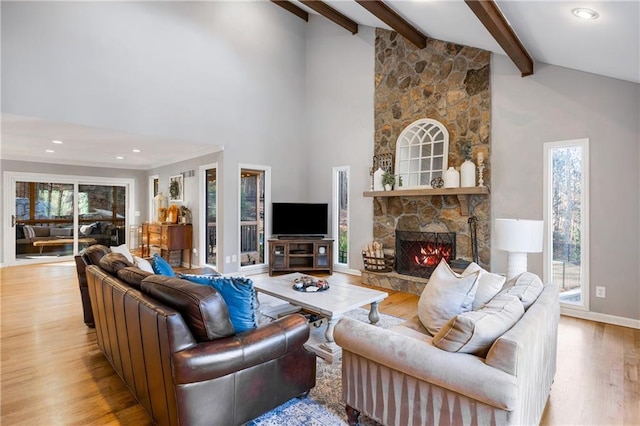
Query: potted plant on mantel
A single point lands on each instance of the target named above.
(388, 180)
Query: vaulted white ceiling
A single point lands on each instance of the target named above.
(608, 46)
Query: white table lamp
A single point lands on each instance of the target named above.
(518, 237)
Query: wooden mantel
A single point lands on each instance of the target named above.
(461, 193)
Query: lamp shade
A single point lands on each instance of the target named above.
(519, 235)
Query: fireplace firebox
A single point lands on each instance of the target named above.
(418, 253)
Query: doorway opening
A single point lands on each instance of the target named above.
(254, 198)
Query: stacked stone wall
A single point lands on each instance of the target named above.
(450, 83)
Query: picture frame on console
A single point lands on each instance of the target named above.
(176, 188)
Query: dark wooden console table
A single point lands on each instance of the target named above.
(300, 255)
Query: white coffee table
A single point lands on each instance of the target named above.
(331, 304)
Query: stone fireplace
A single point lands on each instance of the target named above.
(449, 83)
(418, 253)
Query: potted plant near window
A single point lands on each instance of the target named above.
(388, 180)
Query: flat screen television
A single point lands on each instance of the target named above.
(299, 220)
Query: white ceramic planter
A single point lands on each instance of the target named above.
(451, 178)
(468, 174)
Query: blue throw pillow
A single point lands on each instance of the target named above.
(213, 273)
(239, 295)
(161, 266)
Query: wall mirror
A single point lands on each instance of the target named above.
(422, 152)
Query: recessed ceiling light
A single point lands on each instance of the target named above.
(584, 13)
(49, 150)
(57, 142)
(135, 150)
(120, 157)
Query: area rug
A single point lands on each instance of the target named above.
(323, 406)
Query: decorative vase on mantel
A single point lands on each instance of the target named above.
(468, 174)
(377, 180)
(387, 187)
(451, 178)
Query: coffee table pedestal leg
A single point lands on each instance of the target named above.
(331, 325)
(374, 317)
(330, 351)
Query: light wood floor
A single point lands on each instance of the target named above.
(52, 372)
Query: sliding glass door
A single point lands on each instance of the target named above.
(102, 212)
(43, 219)
(56, 216)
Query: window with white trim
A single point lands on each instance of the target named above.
(341, 213)
(566, 215)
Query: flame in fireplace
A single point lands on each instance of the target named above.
(432, 253)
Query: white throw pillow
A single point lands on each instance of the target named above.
(446, 295)
(475, 331)
(85, 230)
(143, 264)
(526, 287)
(489, 285)
(123, 249)
(29, 233)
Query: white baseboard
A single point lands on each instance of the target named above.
(605, 318)
(253, 270)
(345, 270)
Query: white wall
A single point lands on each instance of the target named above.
(191, 197)
(186, 69)
(222, 73)
(340, 91)
(561, 104)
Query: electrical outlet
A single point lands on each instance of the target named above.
(227, 259)
(601, 292)
(234, 258)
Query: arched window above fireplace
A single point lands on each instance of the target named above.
(422, 151)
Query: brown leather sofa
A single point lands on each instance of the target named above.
(89, 256)
(173, 345)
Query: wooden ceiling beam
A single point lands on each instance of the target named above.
(494, 21)
(395, 21)
(287, 5)
(332, 14)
